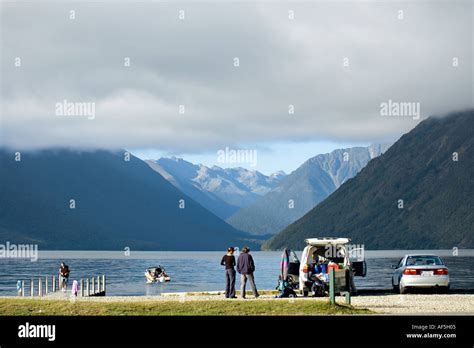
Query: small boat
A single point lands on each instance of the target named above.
(156, 275)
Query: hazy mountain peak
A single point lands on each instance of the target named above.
(219, 190)
(279, 173)
(305, 187)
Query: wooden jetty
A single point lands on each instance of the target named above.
(46, 286)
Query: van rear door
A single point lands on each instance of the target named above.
(305, 263)
(357, 259)
(293, 265)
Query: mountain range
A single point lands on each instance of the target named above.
(222, 191)
(417, 195)
(303, 189)
(68, 199)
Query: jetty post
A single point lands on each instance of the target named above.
(103, 283)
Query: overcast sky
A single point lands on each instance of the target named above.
(190, 62)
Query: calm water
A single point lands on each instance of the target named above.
(200, 271)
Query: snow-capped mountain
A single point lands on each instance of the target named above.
(222, 191)
(303, 189)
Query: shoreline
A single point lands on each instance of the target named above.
(384, 304)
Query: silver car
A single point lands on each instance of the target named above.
(420, 271)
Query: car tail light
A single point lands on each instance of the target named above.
(441, 271)
(410, 271)
(306, 268)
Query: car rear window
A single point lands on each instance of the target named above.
(424, 261)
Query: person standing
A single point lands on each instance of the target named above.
(63, 276)
(228, 260)
(246, 268)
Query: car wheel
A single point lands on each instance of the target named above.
(444, 289)
(403, 290)
(395, 287)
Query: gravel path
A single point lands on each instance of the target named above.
(417, 303)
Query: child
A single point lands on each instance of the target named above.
(75, 288)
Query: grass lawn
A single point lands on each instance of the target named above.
(26, 307)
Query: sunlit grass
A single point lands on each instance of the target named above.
(27, 307)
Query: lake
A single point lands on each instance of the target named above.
(201, 271)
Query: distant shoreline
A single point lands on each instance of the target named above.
(140, 254)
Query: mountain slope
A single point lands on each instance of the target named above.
(308, 185)
(207, 199)
(222, 191)
(118, 204)
(437, 194)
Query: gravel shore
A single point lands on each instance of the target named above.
(417, 303)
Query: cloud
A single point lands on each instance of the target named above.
(190, 62)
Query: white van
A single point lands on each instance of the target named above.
(332, 249)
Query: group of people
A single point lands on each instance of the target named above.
(245, 267)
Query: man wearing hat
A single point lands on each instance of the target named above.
(246, 268)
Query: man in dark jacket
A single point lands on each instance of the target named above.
(246, 267)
